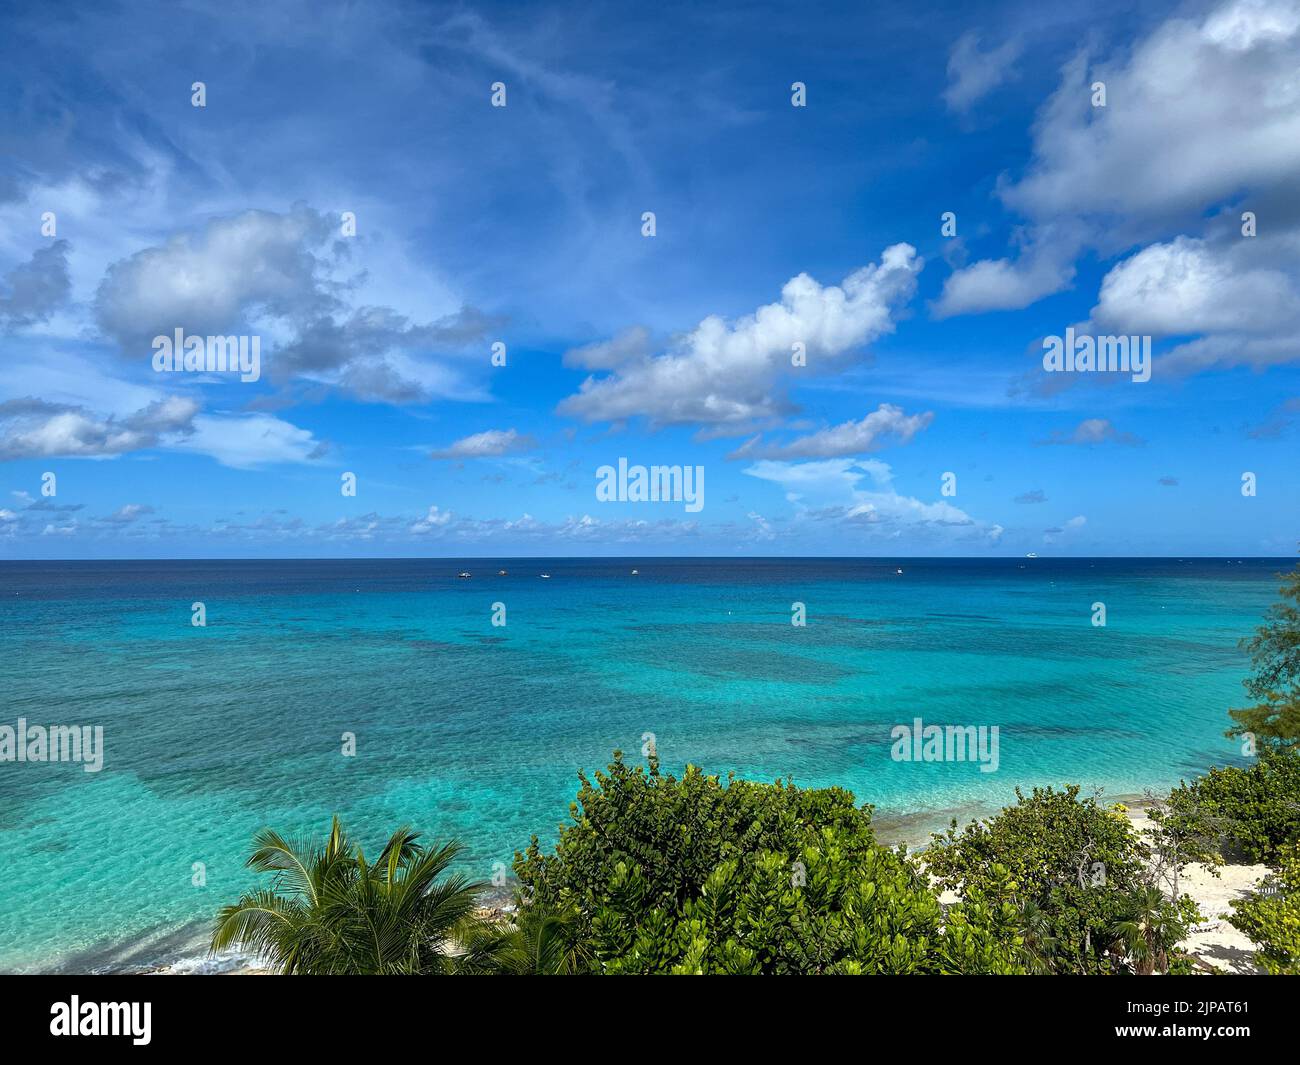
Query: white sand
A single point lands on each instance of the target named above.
(1215, 942)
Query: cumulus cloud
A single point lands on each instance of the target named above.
(281, 276)
(1045, 267)
(848, 438)
(433, 521)
(490, 444)
(34, 428)
(1199, 111)
(212, 281)
(1188, 286)
(1092, 431)
(730, 373)
(1238, 297)
(973, 74)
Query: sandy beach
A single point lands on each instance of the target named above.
(1215, 942)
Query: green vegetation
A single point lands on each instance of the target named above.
(1275, 653)
(329, 912)
(1251, 812)
(689, 875)
(1078, 875)
(1271, 916)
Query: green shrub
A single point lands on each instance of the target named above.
(1070, 866)
(1254, 810)
(693, 876)
(1271, 916)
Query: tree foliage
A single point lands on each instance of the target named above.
(1275, 654)
(1251, 811)
(690, 875)
(1072, 868)
(329, 911)
(1271, 916)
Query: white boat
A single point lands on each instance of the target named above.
(1032, 554)
(898, 571)
(635, 572)
(463, 576)
(546, 576)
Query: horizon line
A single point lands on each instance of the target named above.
(633, 558)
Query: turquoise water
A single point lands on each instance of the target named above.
(469, 730)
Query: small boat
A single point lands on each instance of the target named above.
(501, 573)
(463, 575)
(545, 576)
(898, 571)
(1032, 554)
(635, 572)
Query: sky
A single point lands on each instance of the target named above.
(814, 254)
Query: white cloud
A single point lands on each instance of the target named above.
(832, 491)
(210, 281)
(1198, 113)
(1187, 286)
(848, 438)
(729, 373)
(32, 428)
(247, 441)
(283, 277)
(489, 444)
(1006, 284)
(433, 521)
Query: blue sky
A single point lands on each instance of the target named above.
(775, 225)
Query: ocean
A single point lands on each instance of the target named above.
(469, 729)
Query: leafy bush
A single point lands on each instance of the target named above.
(692, 876)
(1072, 868)
(1254, 810)
(1271, 916)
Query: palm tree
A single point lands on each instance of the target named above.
(328, 911)
(540, 942)
(1040, 946)
(1151, 928)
